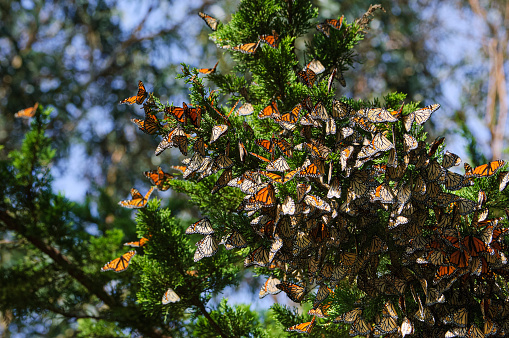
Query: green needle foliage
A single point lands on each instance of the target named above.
(342, 203)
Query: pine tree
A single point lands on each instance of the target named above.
(342, 204)
(318, 192)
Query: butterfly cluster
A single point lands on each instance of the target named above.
(336, 194)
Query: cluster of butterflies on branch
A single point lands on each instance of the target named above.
(344, 195)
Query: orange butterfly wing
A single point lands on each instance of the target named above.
(178, 113)
(208, 70)
(265, 144)
(119, 264)
(303, 327)
(194, 114)
(27, 112)
(137, 244)
(210, 21)
(247, 48)
(269, 111)
(139, 98)
(266, 196)
(487, 169)
(137, 201)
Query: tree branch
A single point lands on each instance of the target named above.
(71, 315)
(12, 224)
(196, 302)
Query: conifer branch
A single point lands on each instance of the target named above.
(72, 315)
(12, 224)
(196, 302)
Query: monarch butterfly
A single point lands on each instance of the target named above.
(150, 125)
(484, 170)
(349, 317)
(222, 181)
(265, 144)
(387, 325)
(278, 165)
(316, 66)
(419, 116)
(303, 327)
(245, 109)
(269, 111)
(378, 115)
(389, 310)
(443, 272)
(27, 112)
(199, 146)
(457, 318)
(137, 201)
(359, 328)
(206, 247)
(264, 159)
(325, 26)
(258, 257)
(269, 287)
(291, 117)
(322, 293)
(294, 291)
(335, 189)
(158, 178)
(217, 131)
(407, 327)
(455, 181)
(266, 196)
(466, 206)
(364, 124)
(409, 143)
(434, 146)
(331, 79)
(177, 112)
(210, 21)
(170, 296)
(271, 40)
(194, 114)
(119, 264)
(203, 227)
(277, 178)
(223, 162)
(330, 127)
(233, 240)
(139, 98)
(381, 143)
(181, 142)
(277, 244)
(307, 120)
(320, 311)
(474, 245)
(341, 110)
(302, 190)
(310, 170)
(208, 70)
(317, 202)
(284, 146)
(434, 171)
(308, 77)
(137, 244)
(301, 243)
(168, 140)
(247, 48)
(319, 112)
(336, 24)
